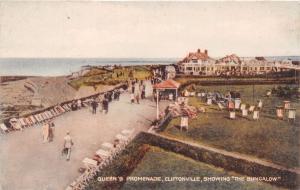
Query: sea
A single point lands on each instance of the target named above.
(65, 66)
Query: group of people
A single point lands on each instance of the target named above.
(48, 131)
(138, 90)
(76, 105)
(155, 80)
(48, 135)
(104, 100)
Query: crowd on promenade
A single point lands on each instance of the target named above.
(137, 89)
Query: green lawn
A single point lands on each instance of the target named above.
(102, 77)
(158, 162)
(267, 138)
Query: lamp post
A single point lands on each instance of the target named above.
(157, 109)
(253, 91)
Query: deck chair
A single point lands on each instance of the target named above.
(260, 104)
(28, 121)
(232, 115)
(121, 137)
(3, 127)
(49, 114)
(292, 115)
(184, 123)
(221, 107)
(65, 106)
(255, 115)
(46, 115)
(15, 124)
(62, 109)
(127, 132)
(89, 162)
(53, 112)
(237, 103)
(243, 106)
(22, 122)
(57, 110)
(107, 145)
(251, 109)
(244, 112)
(103, 153)
(32, 118)
(37, 118)
(42, 116)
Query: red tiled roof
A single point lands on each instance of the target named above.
(195, 55)
(168, 84)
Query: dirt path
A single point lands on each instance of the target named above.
(28, 164)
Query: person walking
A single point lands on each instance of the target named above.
(105, 105)
(137, 97)
(51, 130)
(94, 106)
(78, 104)
(68, 143)
(132, 98)
(143, 96)
(45, 132)
(132, 87)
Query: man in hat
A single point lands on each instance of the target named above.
(94, 106)
(68, 143)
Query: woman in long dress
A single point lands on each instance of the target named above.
(45, 129)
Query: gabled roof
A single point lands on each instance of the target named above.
(230, 58)
(198, 55)
(168, 84)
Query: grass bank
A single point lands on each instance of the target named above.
(268, 138)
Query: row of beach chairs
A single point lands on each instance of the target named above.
(35, 119)
(103, 156)
(243, 108)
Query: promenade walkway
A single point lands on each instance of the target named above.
(28, 164)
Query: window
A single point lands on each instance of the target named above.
(189, 68)
(261, 68)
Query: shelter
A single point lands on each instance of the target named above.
(167, 87)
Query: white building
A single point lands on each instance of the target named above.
(170, 71)
(199, 63)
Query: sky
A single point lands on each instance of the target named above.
(148, 29)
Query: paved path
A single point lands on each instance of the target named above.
(28, 164)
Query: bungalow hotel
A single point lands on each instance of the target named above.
(199, 63)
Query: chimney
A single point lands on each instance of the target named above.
(205, 52)
(198, 51)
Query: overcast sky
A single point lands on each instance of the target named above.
(148, 29)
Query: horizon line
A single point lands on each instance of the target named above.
(138, 57)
